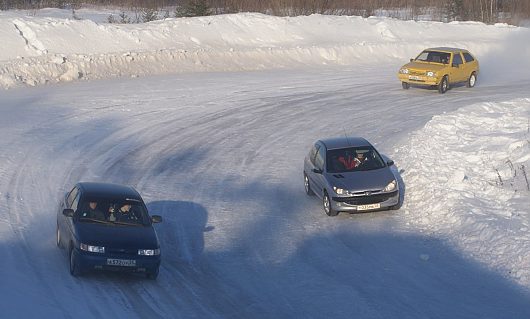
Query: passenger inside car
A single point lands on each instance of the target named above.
(348, 161)
(91, 210)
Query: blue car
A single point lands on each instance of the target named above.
(107, 227)
(349, 175)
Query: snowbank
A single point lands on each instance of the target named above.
(46, 49)
(467, 177)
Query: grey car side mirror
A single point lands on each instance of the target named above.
(390, 162)
(316, 170)
(68, 212)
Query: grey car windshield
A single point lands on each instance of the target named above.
(353, 159)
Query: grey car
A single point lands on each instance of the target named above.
(349, 175)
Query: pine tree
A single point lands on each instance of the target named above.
(193, 8)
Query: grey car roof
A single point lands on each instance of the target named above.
(342, 142)
(446, 49)
(108, 190)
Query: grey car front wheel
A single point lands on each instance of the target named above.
(326, 203)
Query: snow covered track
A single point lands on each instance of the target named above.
(219, 156)
(49, 50)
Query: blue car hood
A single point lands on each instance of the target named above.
(141, 237)
(372, 180)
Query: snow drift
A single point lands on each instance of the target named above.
(44, 49)
(467, 176)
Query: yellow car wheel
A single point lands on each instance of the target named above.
(443, 86)
(472, 80)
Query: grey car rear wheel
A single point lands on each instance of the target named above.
(307, 187)
(58, 237)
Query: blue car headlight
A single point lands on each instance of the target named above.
(92, 249)
(149, 252)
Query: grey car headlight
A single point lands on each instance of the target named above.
(339, 191)
(391, 186)
(149, 252)
(92, 249)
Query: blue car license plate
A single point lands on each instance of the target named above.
(121, 262)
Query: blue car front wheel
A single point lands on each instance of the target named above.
(74, 264)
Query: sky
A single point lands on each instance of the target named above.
(210, 119)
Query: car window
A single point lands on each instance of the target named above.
(319, 158)
(353, 159)
(468, 57)
(434, 56)
(113, 210)
(313, 153)
(457, 59)
(75, 202)
(71, 196)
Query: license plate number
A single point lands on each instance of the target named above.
(414, 77)
(121, 262)
(368, 207)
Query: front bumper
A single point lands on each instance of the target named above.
(92, 261)
(419, 79)
(359, 203)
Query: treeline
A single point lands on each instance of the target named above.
(488, 11)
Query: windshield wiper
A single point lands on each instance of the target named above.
(127, 224)
(94, 220)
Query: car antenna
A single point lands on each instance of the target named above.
(346, 135)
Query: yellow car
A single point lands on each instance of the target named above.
(440, 67)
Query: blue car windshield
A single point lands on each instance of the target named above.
(112, 211)
(353, 159)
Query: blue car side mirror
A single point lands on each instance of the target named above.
(68, 212)
(156, 219)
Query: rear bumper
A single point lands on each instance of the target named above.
(92, 261)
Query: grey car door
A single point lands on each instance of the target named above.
(319, 180)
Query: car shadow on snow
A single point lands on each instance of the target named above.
(181, 232)
(356, 273)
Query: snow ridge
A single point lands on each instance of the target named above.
(56, 49)
(466, 174)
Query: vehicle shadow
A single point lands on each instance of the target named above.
(181, 232)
